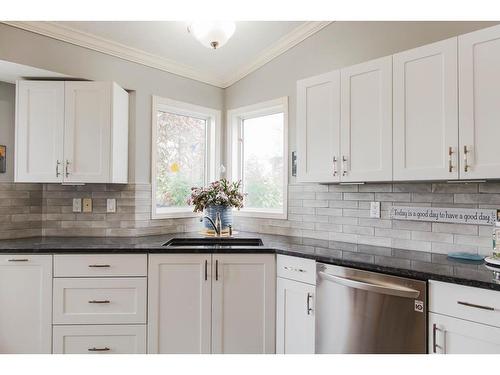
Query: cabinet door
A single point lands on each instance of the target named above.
(366, 121)
(449, 335)
(479, 98)
(179, 303)
(318, 128)
(39, 131)
(26, 304)
(243, 295)
(87, 132)
(426, 113)
(100, 339)
(295, 317)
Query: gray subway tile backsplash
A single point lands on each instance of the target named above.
(322, 215)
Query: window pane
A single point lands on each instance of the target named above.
(180, 162)
(263, 162)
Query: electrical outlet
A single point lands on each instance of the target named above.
(111, 205)
(87, 205)
(375, 210)
(77, 205)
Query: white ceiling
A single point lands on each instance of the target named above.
(168, 46)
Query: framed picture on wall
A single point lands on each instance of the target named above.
(3, 157)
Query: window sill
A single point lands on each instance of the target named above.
(174, 214)
(260, 214)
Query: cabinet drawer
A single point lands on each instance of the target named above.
(475, 304)
(99, 265)
(102, 339)
(100, 301)
(296, 268)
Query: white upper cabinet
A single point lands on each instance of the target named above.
(366, 121)
(87, 131)
(180, 303)
(85, 125)
(243, 300)
(26, 303)
(39, 131)
(426, 112)
(479, 103)
(318, 128)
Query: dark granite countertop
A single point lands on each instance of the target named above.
(398, 262)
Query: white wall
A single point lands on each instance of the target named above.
(31, 49)
(338, 45)
(7, 113)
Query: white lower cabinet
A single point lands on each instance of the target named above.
(25, 304)
(180, 303)
(463, 319)
(100, 300)
(203, 303)
(295, 305)
(243, 303)
(295, 317)
(448, 335)
(100, 339)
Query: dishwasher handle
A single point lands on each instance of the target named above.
(392, 290)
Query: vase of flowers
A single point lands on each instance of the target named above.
(219, 197)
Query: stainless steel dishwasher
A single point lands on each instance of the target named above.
(366, 312)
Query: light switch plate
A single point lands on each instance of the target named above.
(77, 205)
(375, 210)
(111, 205)
(87, 205)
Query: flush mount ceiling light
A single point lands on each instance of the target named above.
(212, 34)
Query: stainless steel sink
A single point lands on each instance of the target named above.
(213, 241)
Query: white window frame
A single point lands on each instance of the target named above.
(235, 117)
(212, 166)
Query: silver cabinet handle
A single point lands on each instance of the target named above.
(482, 307)
(293, 269)
(344, 163)
(58, 163)
(466, 162)
(309, 308)
(434, 341)
(334, 165)
(450, 161)
(19, 260)
(99, 265)
(67, 168)
(216, 270)
(99, 301)
(206, 270)
(105, 349)
(392, 290)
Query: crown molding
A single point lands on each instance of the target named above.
(282, 45)
(109, 47)
(122, 51)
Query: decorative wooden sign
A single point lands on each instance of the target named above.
(445, 215)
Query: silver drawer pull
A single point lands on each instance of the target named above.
(294, 269)
(19, 260)
(99, 265)
(105, 349)
(476, 306)
(99, 301)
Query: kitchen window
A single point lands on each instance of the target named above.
(257, 155)
(185, 144)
